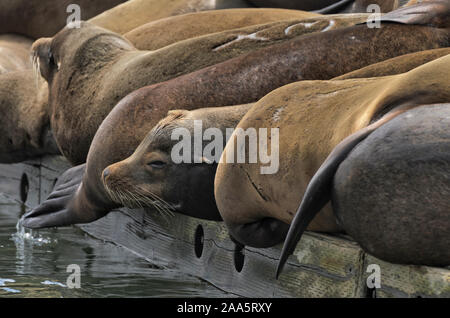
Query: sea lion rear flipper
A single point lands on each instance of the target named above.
(318, 192)
(52, 212)
(433, 13)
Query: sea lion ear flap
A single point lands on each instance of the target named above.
(318, 192)
(42, 58)
(177, 113)
(433, 13)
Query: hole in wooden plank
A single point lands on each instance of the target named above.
(239, 258)
(24, 187)
(371, 292)
(199, 241)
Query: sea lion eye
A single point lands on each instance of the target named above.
(51, 60)
(158, 164)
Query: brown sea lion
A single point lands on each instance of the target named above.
(24, 124)
(14, 53)
(151, 178)
(134, 13)
(90, 69)
(312, 117)
(160, 33)
(44, 18)
(243, 79)
(410, 153)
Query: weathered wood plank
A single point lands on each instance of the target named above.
(21, 182)
(410, 281)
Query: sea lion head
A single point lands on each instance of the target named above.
(74, 51)
(150, 177)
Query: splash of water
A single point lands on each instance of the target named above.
(31, 236)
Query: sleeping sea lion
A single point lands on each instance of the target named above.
(389, 185)
(243, 79)
(312, 117)
(24, 125)
(151, 178)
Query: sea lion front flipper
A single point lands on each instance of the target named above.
(433, 13)
(52, 212)
(261, 234)
(318, 192)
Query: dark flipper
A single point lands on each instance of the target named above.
(433, 13)
(318, 192)
(265, 233)
(53, 211)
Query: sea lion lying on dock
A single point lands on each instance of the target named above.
(312, 117)
(150, 177)
(24, 125)
(243, 79)
(389, 185)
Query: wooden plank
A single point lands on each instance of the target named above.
(322, 266)
(409, 280)
(21, 182)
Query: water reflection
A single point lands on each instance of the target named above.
(34, 264)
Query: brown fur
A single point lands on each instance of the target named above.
(108, 68)
(313, 117)
(397, 65)
(134, 13)
(24, 123)
(160, 33)
(14, 53)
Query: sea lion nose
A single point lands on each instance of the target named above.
(106, 173)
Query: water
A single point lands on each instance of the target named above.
(34, 265)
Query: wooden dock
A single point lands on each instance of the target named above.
(322, 265)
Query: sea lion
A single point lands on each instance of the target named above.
(43, 18)
(90, 69)
(396, 65)
(160, 33)
(312, 117)
(134, 13)
(243, 79)
(389, 186)
(24, 124)
(151, 178)
(14, 53)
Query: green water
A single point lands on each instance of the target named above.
(36, 265)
